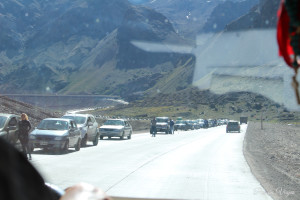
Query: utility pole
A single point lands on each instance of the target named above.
(261, 121)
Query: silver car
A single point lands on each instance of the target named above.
(88, 127)
(56, 133)
(9, 127)
(116, 128)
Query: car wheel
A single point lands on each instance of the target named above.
(66, 147)
(78, 145)
(129, 136)
(96, 140)
(101, 137)
(122, 137)
(84, 141)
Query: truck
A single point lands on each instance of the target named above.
(243, 120)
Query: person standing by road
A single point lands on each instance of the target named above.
(153, 127)
(172, 126)
(24, 128)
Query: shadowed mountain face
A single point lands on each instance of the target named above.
(82, 47)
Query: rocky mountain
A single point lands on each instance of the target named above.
(191, 17)
(115, 48)
(83, 47)
(264, 15)
(224, 13)
(187, 16)
(193, 103)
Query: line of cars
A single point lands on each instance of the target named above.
(75, 130)
(69, 131)
(231, 126)
(199, 123)
(163, 124)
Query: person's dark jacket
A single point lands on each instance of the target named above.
(24, 128)
(172, 123)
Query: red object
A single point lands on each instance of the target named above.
(283, 39)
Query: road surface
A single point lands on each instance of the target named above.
(201, 164)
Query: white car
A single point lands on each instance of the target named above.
(116, 128)
(88, 127)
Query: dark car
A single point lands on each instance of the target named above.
(233, 127)
(243, 120)
(189, 125)
(9, 127)
(196, 124)
(205, 125)
(56, 133)
(180, 125)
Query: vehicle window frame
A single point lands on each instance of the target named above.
(92, 119)
(73, 124)
(13, 119)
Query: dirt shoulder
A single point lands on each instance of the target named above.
(273, 155)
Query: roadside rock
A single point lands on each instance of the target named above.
(34, 113)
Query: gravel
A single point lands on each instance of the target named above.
(273, 155)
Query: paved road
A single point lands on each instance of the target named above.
(202, 164)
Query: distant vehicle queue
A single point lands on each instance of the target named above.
(199, 123)
(168, 126)
(75, 130)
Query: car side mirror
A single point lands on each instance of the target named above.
(90, 123)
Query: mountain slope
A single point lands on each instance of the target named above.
(192, 17)
(77, 50)
(225, 13)
(264, 15)
(34, 113)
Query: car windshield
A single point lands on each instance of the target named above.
(53, 125)
(161, 119)
(118, 71)
(114, 122)
(78, 119)
(2, 121)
